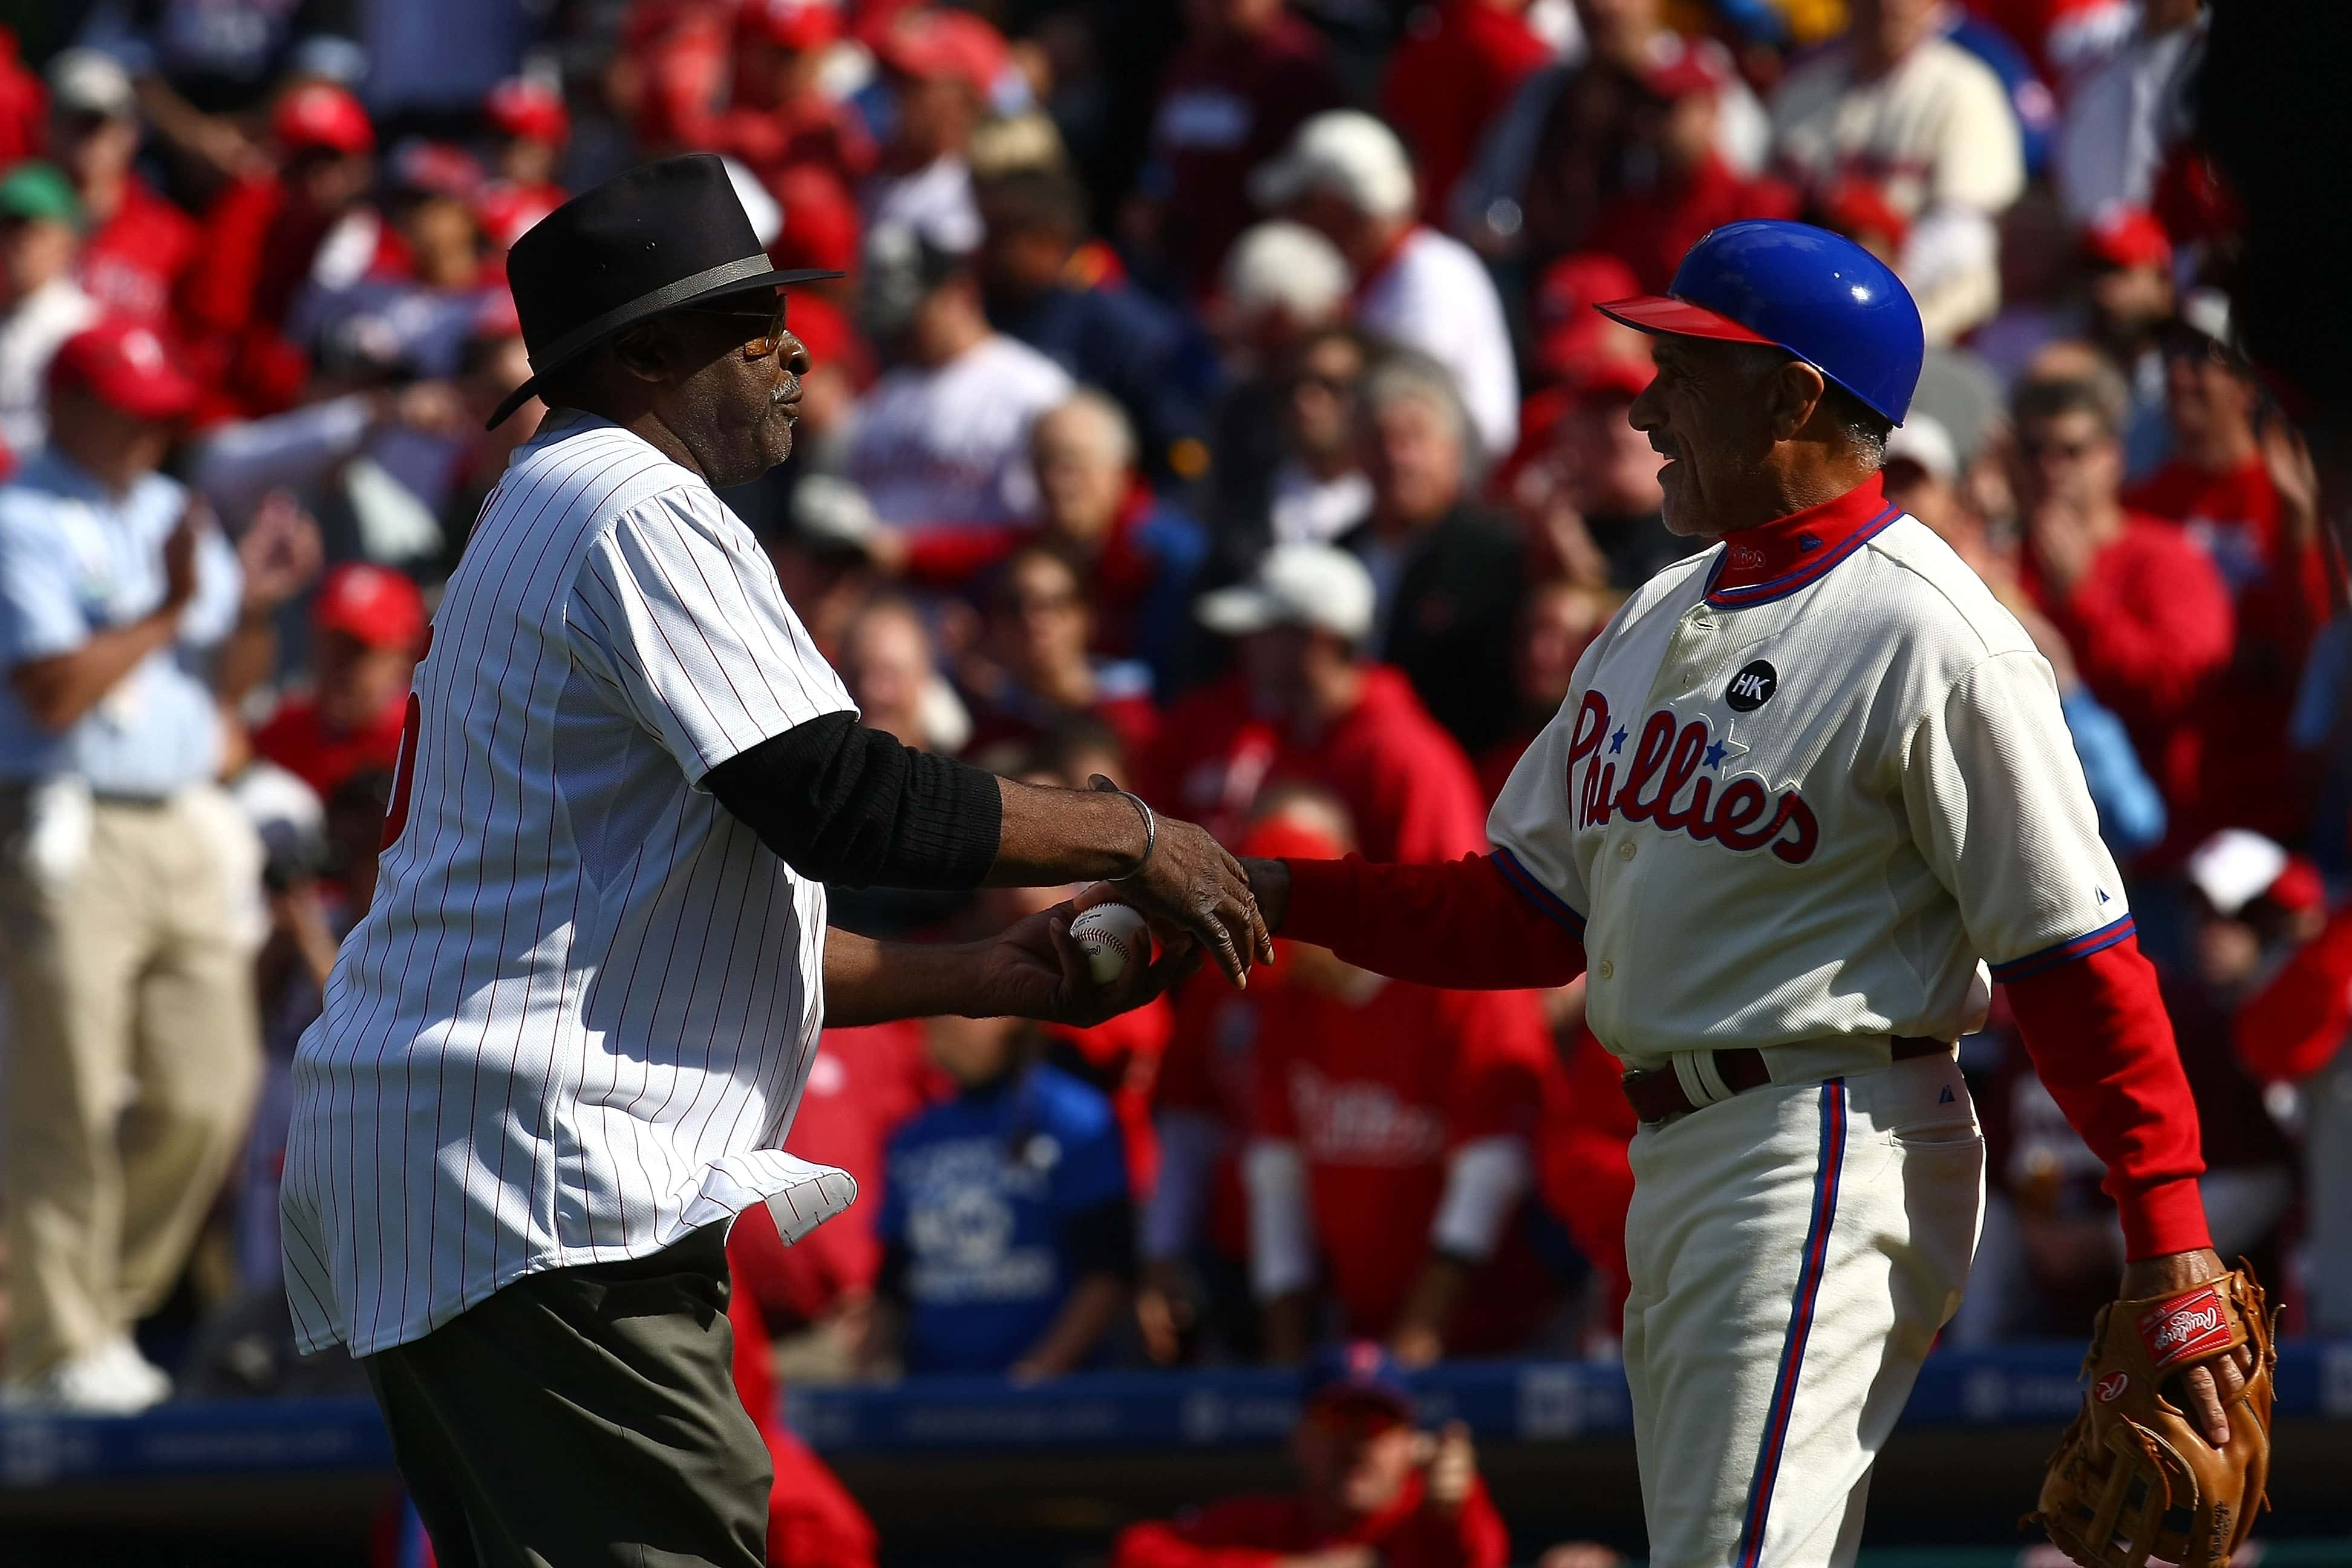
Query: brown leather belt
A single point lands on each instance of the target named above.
(1655, 1093)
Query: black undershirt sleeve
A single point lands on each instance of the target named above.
(848, 805)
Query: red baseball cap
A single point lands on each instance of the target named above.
(523, 109)
(379, 606)
(930, 44)
(124, 365)
(802, 25)
(1682, 69)
(320, 114)
(821, 221)
(2122, 234)
(1569, 334)
(1628, 377)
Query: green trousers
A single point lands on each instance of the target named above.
(584, 1417)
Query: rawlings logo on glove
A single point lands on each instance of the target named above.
(2184, 1328)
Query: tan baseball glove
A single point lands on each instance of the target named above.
(2134, 1476)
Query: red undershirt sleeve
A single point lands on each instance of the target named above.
(1466, 925)
(2097, 1032)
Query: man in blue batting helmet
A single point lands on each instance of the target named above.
(1755, 433)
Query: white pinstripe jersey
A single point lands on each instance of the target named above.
(575, 1021)
(1806, 785)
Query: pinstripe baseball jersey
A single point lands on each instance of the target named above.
(575, 1023)
(1808, 785)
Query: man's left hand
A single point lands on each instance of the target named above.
(279, 553)
(2212, 1387)
(1034, 969)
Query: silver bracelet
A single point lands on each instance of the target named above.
(1150, 835)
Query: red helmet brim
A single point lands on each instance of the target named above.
(1676, 318)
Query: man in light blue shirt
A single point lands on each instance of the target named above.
(120, 876)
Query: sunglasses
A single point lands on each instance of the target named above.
(770, 340)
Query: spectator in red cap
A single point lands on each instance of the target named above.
(1304, 704)
(140, 247)
(782, 122)
(269, 235)
(1391, 1155)
(2130, 299)
(114, 587)
(368, 632)
(1458, 69)
(529, 128)
(943, 68)
(1249, 74)
(2244, 491)
(2146, 615)
(1371, 1489)
(1685, 185)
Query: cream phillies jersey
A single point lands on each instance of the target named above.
(1805, 786)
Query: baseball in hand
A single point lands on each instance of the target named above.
(1113, 937)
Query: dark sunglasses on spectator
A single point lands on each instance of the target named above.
(756, 348)
(1038, 603)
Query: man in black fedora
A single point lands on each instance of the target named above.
(559, 1052)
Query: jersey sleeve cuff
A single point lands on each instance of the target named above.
(1324, 907)
(2056, 953)
(1531, 887)
(2163, 1218)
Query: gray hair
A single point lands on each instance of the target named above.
(1864, 427)
(1408, 375)
(1117, 430)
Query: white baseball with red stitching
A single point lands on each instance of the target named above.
(1112, 936)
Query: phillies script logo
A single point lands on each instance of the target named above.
(1667, 782)
(2184, 1327)
(2111, 1387)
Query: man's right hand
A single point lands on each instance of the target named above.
(1190, 883)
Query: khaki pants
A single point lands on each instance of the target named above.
(132, 1065)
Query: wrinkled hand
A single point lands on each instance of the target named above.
(1451, 1462)
(1036, 969)
(1191, 885)
(2209, 1388)
(280, 553)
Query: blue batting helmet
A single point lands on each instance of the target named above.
(1818, 295)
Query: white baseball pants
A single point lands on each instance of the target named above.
(1793, 1251)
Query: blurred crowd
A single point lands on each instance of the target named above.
(1212, 401)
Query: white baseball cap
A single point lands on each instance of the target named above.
(1922, 439)
(1287, 265)
(1295, 585)
(2233, 869)
(90, 81)
(1343, 153)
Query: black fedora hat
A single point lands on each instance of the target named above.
(656, 238)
